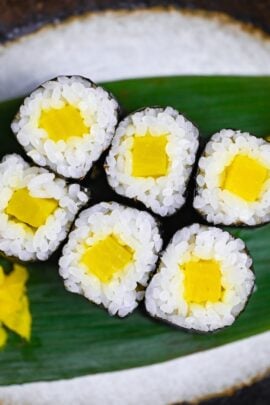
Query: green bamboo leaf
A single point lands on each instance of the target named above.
(72, 337)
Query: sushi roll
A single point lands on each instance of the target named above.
(233, 180)
(151, 158)
(66, 124)
(110, 255)
(203, 281)
(36, 209)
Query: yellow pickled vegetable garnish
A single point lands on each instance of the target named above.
(245, 178)
(202, 281)
(30, 210)
(14, 305)
(107, 257)
(63, 123)
(19, 321)
(3, 337)
(149, 157)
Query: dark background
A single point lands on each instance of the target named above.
(18, 17)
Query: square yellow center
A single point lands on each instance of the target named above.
(245, 178)
(63, 123)
(202, 281)
(149, 157)
(30, 210)
(107, 257)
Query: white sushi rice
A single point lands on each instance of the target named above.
(165, 194)
(16, 239)
(138, 230)
(72, 158)
(165, 294)
(221, 206)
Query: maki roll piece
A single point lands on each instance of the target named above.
(151, 158)
(36, 209)
(110, 255)
(66, 124)
(203, 281)
(233, 180)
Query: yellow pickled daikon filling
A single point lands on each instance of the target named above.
(30, 210)
(14, 313)
(149, 157)
(63, 123)
(202, 281)
(107, 257)
(245, 178)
